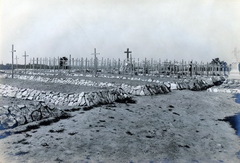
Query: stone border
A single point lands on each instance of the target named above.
(229, 86)
(22, 114)
(12, 116)
(16, 115)
(195, 84)
(199, 84)
(83, 98)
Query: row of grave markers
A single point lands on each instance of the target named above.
(117, 66)
(128, 66)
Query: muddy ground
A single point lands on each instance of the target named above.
(182, 126)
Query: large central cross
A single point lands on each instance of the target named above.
(95, 61)
(128, 52)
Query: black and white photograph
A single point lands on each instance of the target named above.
(119, 81)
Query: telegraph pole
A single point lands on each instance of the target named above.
(95, 61)
(25, 56)
(12, 58)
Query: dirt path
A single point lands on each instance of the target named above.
(182, 126)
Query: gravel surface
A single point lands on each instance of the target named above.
(182, 126)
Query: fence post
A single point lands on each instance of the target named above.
(33, 64)
(82, 60)
(182, 68)
(86, 66)
(40, 65)
(72, 66)
(160, 68)
(191, 64)
(49, 64)
(144, 67)
(207, 69)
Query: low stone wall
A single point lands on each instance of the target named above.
(229, 86)
(83, 98)
(146, 90)
(64, 99)
(199, 84)
(12, 116)
(195, 84)
(15, 115)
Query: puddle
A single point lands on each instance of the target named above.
(234, 122)
(237, 98)
(2, 127)
(4, 135)
(235, 119)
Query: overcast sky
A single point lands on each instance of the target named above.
(161, 29)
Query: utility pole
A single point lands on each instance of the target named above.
(25, 56)
(12, 58)
(95, 61)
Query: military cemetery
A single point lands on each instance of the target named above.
(34, 96)
(119, 82)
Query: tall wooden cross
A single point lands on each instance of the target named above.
(12, 58)
(95, 61)
(128, 52)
